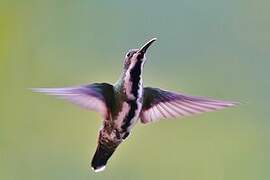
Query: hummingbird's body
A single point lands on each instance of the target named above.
(122, 104)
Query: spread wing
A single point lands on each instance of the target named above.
(97, 96)
(158, 104)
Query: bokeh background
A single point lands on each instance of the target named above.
(216, 48)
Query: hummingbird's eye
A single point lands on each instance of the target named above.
(128, 54)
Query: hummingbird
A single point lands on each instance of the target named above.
(127, 102)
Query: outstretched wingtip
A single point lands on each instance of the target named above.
(55, 91)
(41, 90)
(232, 103)
(36, 90)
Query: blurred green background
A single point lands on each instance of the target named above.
(216, 48)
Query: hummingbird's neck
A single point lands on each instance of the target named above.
(131, 82)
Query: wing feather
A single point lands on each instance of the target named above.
(97, 96)
(159, 104)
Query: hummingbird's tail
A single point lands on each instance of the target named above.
(101, 156)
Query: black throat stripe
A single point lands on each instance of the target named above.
(127, 121)
(135, 76)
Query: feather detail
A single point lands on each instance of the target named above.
(97, 96)
(160, 104)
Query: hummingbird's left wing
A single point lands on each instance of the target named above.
(97, 96)
(158, 104)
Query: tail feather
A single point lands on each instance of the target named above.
(101, 156)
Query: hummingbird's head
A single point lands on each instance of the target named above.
(137, 56)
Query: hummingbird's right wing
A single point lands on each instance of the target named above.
(97, 96)
(158, 104)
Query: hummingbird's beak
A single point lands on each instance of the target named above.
(146, 46)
